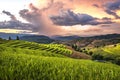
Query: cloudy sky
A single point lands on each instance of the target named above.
(57, 17)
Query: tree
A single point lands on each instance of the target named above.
(90, 53)
(9, 38)
(17, 38)
(115, 45)
(75, 46)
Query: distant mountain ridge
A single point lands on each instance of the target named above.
(12, 35)
(75, 37)
(96, 41)
(65, 38)
(37, 38)
(107, 36)
(69, 40)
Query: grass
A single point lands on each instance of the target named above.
(31, 67)
(52, 48)
(109, 53)
(18, 62)
(29, 52)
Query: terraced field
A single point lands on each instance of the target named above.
(52, 48)
(109, 53)
(20, 60)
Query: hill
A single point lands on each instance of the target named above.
(37, 38)
(22, 60)
(108, 53)
(52, 48)
(95, 41)
(27, 37)
(65, 38)
(12, 35)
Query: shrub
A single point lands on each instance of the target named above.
(90, 53)
(117, 60)
(97, 56)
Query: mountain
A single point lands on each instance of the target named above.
(65, 38)
(37, 38)
(75, 37)
(95, 41)
(108, 36)
(12, 35)
(27, 37)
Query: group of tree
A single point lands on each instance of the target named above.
(83, 50)
(17, 38)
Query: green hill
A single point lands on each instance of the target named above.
(108, 53)
(22, 60)
(52, 48)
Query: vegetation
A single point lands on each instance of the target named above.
(108, 53)
(17, 38)
(9, 38)
(37, 39)
(33, 67)
(21, 60)
(52, 48)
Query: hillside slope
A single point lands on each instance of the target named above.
(22, 60)
(52, 48)
(22, 66)
(108, 53)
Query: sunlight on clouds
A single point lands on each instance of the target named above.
(14, 31)
(92, 11)
(82, 30)
(118, 12)
(40, 3)
(13, 7)
(77, 27)
(39, 11)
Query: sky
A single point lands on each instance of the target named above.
(58, 17)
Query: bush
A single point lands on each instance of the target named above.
(97, 56)
(109, 57)
(117, 60)
(90, 53)
(85, 52)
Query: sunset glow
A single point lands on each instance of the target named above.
(56, 17)
(14, 31)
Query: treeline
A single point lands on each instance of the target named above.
(17, 38)
(83, 50)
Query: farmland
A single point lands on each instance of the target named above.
(21, 60)
(108, 53)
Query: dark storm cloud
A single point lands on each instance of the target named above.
(69, 18)
(9, 14)
(33, 16)
(14, 23)
(28, 16)
(112, 7)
